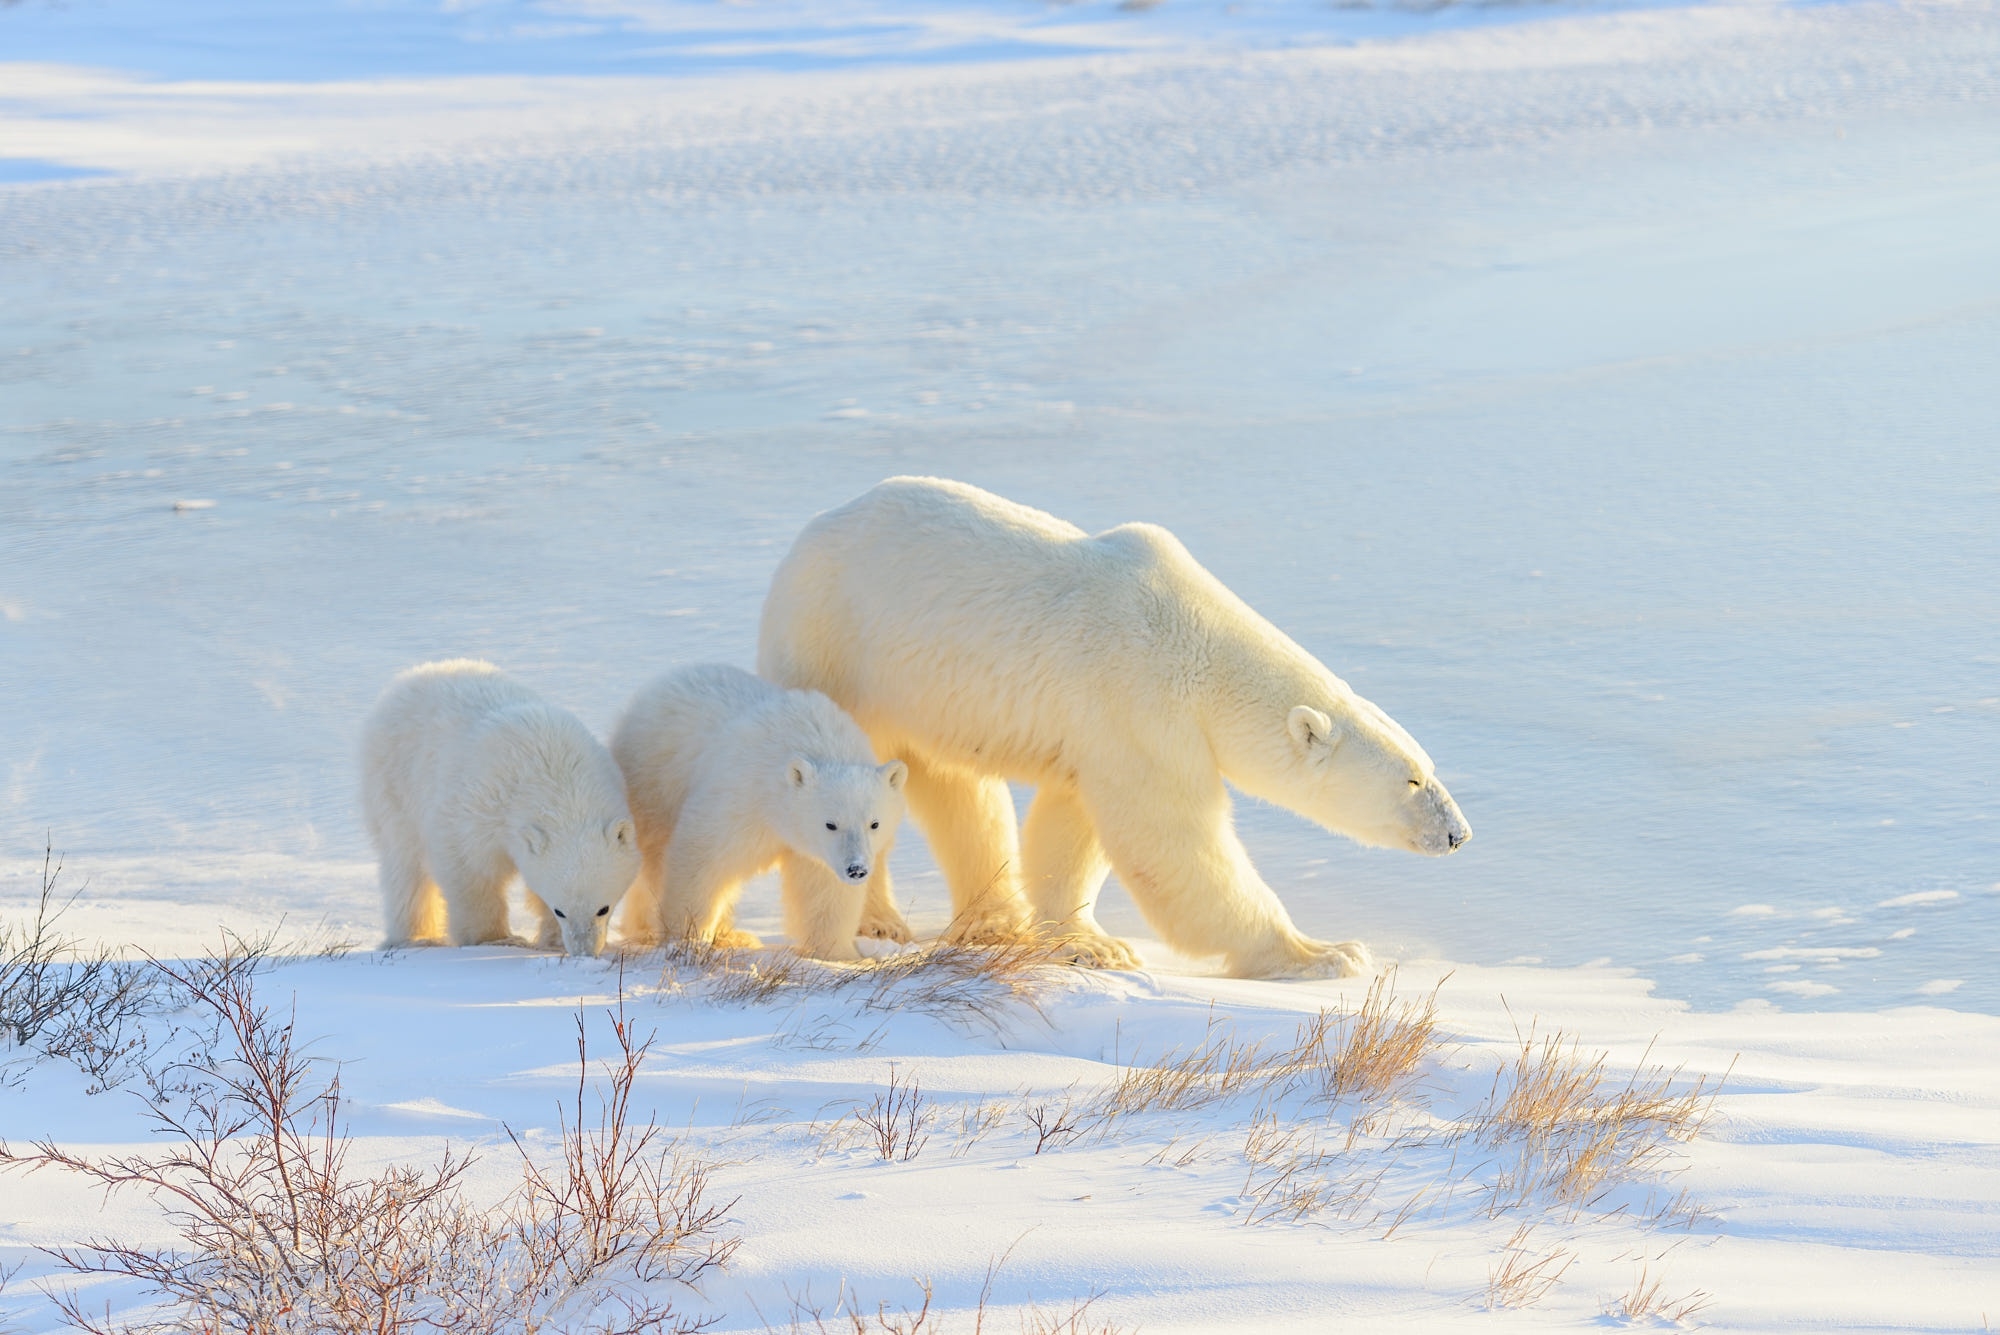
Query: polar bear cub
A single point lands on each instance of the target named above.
(469, 778)
(729, 776)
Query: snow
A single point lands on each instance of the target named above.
(1607, 394)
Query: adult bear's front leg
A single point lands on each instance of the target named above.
(1175, 848)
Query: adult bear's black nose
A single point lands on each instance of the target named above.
(857, 871)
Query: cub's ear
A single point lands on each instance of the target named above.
(895, 772)
(802, 773)
(1310, 728)
(536, 839)
(621, 833)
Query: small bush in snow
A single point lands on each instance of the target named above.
(278, 1235)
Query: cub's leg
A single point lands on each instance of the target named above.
(475, 900)
(969, 821)
(1178, 854)
(412, 908)
(639, 914)
(1064, 869)
(822, 911)
(702, 881)
(548, 932)
(881, 919)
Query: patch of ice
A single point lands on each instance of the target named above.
(1803, 987)
(1920, 897)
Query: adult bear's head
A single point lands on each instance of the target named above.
(1359, 774)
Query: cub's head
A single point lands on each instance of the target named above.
(580, 872)
(1357, 773)
(843, 815)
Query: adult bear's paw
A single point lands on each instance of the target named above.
(1096, 950)
(994, 921)
(884, 925)
(1303, 957)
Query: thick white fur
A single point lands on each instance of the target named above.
(469, 777)
(982, 641)
(729, 776)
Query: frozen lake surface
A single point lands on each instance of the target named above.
(1612, 402)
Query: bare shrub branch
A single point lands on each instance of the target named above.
(1055, 1126)
(62, 1001)
(279, 1235)
(898, 1118)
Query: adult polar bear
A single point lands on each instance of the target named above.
(980, 641)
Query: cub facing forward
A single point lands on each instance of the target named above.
(982, 641)
(468, 778)
(729, 776)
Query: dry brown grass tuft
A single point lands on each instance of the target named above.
(1525, 1274)
(277, 1233)
(1216, 1068)
(846, 1314)
(1646, 1301)
(1575, 1132)
(1370, 1056)
(1293, 1178)
(975, 986)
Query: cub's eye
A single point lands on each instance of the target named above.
(606, 909)
(1416, 783)
(562, 915)
(831, 826)
(874, 824)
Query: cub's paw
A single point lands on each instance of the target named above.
(1095, 950)
(884, 926)
(735, 938)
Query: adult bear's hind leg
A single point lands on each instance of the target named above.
(968, 820)
(1063, 868)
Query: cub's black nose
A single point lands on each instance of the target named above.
(1457, 837)
(856, 872)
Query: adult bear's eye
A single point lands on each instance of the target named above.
(831, 826)
(606, 909)
(562, 915)
(1416, 783)
(874, 824)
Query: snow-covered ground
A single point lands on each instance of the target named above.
(1609, 395)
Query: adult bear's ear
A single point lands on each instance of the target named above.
(1310, 728)
(802, 772)
(536, 838)
(620, 832)
(895, 772)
